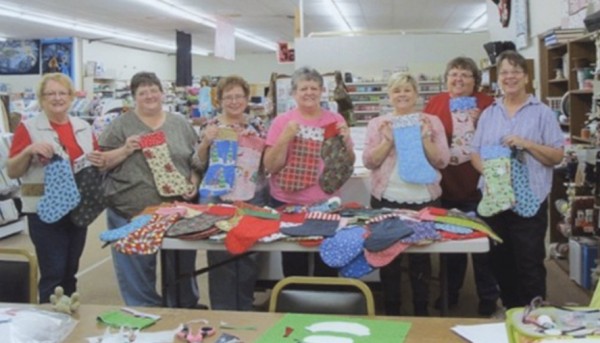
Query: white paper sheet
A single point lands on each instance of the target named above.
(483, 333)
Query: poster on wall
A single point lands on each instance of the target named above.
(522, 20)
(285, 53)
(20, 57)
(57, 56)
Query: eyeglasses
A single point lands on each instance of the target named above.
(56, 94)
(230, 98)
(148, 92)
(506, 73)
(460, 75)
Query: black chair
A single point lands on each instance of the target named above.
(18, 276)
(325, 298)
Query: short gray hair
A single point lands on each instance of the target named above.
(306, 74)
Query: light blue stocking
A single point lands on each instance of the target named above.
(60, 191)
(526, 202)
(412, 162)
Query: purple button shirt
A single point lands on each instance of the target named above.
(534, 122)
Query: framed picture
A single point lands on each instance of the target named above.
(57, 56)
(20, 57)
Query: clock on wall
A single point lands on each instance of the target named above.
(503, 11)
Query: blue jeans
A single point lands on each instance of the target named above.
(136, 274)
(58, 247)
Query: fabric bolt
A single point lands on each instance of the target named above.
(169, 181)
(249, 230)
(340, 249)
(526, 202)
(302, 167)
(455, 229)
(386, 232)
(337, 159)
(498, 194)
(463, 128)
(148, 239)
(219, 177)
(197, 224)
(412, 162)
(315, 224)
(249, 153)
(60, 191)
(384, 257)
(121, 232)
(89, 184)
(357, 268)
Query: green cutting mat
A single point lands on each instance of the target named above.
(382, 331)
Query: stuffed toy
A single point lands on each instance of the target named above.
(62, 303)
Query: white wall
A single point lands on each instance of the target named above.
(255, 68)
(368, 56)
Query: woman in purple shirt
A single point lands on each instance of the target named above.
(518, 121)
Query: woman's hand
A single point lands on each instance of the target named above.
(426, 130)
(514, 141)
(191, 195)
(344, 132)
(97, 159)
(132, 144)
(386, 131)
(475, 113)
(209, 134)
(43, 149)
(290, 131)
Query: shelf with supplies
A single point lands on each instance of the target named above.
(370, 99)
(105, 87)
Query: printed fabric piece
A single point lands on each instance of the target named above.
(455, 217)
(220, 175)
(527, 203)
(343, 247)
(60, 191)
(413, 166)
(169, 181)
(498, 194)
(337, 159)
(148, 239)
(89, 184)
(195, 224)
(384, 257)
(315, 224)
(248, 232)
(121, 232)
(463, 128)
(302, 167)
(250, 148)
(386, 232)
(357, 268)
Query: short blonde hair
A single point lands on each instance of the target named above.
(398, 80)
(63, 79)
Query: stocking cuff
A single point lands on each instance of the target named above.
(251, 141)
(489, 152)
(226, 134)
(331, 130)
(412, 119)
(463, 103)
(152, 139)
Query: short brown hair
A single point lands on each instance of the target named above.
(63, 79)
(514, 58)
(464, 63)
(144, 78)
(229, 82)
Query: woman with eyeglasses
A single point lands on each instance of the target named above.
(131, 186)
(52, 137)
(231, 286)
(459, 108)
(517, 143)
(293, 157)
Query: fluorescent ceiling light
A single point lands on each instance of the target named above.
(2, 39)
(115, 33)
(206, 20)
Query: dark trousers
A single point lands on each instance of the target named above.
(58, 247)
(298, 263)
(518, 263)
(419, 268)
(485, 282)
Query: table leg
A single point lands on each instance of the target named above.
(443, 285)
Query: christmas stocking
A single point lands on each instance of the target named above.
(89, 183)
(498, 194)
(148, 239)
(169, 181)
(246, 172)
(247, 232)
(60, 191)
(302, 167)
(220, 175)
(526, 202)
(315, 224)
(121, 232)
(337, 160)
(463, 128)
(412, 162)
